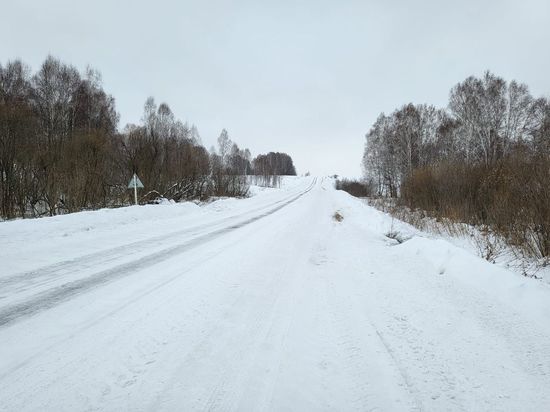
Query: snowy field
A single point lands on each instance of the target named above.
(265, 303)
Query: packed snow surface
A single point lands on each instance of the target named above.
(265, 303)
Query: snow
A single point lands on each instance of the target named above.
(264, 303)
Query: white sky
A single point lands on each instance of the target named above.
(305, 77)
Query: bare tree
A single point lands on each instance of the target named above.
(224, 145)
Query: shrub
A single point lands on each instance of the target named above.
(511, 196)
(354, 187)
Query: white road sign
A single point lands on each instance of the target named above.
(135, 182)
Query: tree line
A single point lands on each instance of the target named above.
(483, 160)
(269, 167)
(61, 150)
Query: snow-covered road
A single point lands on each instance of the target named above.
(266, 303)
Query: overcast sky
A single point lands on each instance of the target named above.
(304, 77)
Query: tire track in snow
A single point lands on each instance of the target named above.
(226, 346)
(52, 297)
(362, 354)
(269, 332)
(30, 279)
(244, 348)
(125, 304)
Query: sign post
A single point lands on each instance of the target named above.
(135, 183)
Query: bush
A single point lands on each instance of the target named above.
(354, 187)
(511, 196)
